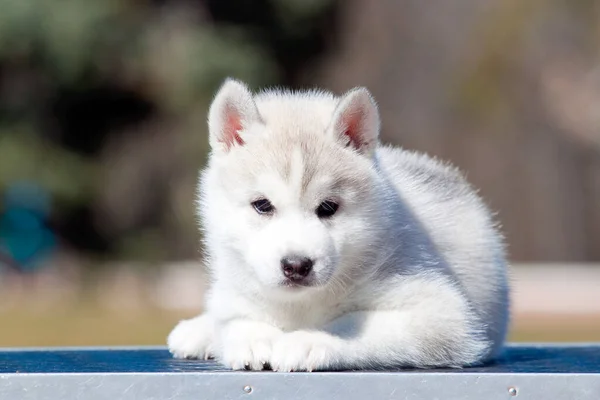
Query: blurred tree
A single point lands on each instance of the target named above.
(103, 103)
(504, 89)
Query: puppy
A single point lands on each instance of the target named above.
(328, 251)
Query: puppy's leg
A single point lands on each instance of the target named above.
(428, 330)
(193, 338)
(246, 344)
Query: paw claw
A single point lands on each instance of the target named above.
(304, 351)
(251, 351)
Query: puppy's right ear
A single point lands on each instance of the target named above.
(232, 111)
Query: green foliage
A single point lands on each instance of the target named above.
(170, 55)
(25, 157)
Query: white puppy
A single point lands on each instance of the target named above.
(327, 251)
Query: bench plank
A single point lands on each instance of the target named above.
(557, 372)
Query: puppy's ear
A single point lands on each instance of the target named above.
(232, 111)
(356, 121)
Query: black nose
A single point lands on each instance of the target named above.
(296, 268)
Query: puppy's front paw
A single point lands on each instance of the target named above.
(193, 338)
(306, 351)
(247, 344)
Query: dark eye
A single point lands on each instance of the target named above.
(263, 206)
(327, 208)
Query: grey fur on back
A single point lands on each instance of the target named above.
(448, 225)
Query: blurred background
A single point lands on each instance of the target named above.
(103, 129)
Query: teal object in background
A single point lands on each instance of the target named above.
(25, 239)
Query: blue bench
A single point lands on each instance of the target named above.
(524, 371)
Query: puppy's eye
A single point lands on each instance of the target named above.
(327, 208)
(263, 206)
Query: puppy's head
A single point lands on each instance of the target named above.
(289, 197)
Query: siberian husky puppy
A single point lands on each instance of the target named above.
(328, 251)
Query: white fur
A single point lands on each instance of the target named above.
(410, 271)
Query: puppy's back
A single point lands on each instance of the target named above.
(460, 226)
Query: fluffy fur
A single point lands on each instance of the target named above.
(409, 272)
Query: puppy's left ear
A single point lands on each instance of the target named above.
(231, 113)
(356, 121)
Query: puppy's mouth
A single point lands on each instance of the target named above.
(298, 284)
